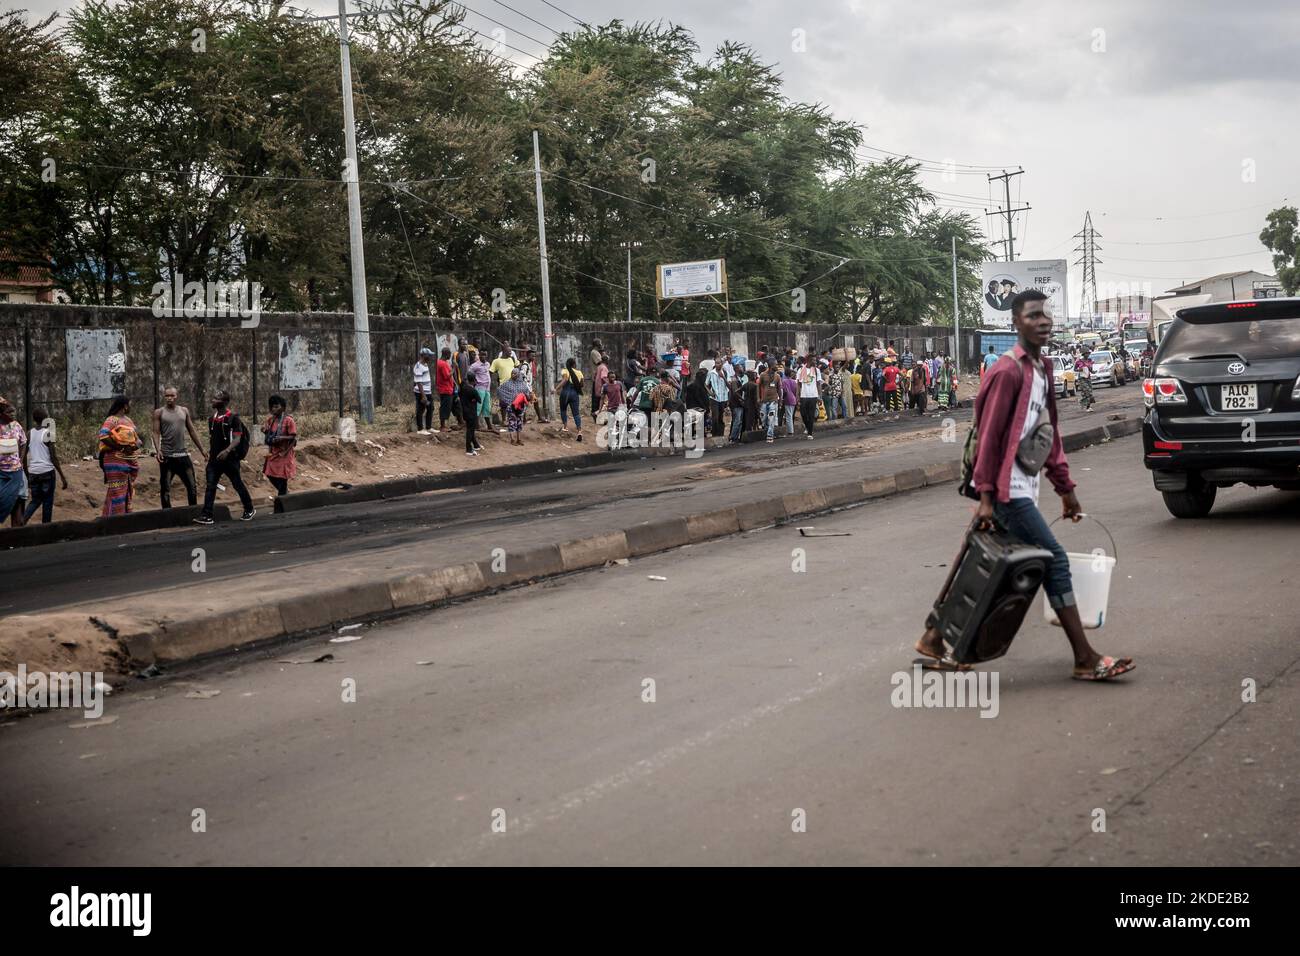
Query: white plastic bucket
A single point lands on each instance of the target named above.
(1090, 574)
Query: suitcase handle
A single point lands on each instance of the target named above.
(1114, 552)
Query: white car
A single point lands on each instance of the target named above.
(1103, 368)
(1063, 375)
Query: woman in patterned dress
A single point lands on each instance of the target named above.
(119, 445)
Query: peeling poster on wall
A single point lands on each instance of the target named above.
(96, 363)
(301, 364)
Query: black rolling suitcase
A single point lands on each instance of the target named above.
(990, 587)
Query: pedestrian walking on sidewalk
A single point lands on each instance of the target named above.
(281, 435)
(227, 446)
(119, 453)
(171, 424)
(42, 466)
(569, 388)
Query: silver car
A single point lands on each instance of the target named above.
(1103, 368)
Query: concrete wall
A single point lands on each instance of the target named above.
(307, 356)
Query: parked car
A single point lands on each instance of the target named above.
(1223, 404)
(1063, 375)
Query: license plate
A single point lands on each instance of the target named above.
(1240, 397)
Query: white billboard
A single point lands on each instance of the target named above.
(1002, 280)
(681, 280)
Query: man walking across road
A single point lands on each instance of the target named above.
(1017, 389)
(227, 445)
(171, 423)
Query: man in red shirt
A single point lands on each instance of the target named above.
(890, 375)
(446, 389)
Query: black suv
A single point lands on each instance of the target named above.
(1223, 402)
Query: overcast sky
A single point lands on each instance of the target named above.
(1173, 121)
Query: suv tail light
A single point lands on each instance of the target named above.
(1168, 391)
(1148, 392)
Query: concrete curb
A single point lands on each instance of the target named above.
(213, 626)
(55, 531)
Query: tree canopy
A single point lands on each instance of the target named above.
(203, 137)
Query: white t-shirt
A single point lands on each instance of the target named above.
(421, 375)
(38, 452)
(1023, 485)
(808, 379)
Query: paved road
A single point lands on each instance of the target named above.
(772, 694)
(60, 574)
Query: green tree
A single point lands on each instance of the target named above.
(1280, 235)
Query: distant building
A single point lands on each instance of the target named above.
(1227, 286)
(24, 279)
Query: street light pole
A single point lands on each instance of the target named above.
(548, 345)
(360, 308)
(956, 318)
(629, 246)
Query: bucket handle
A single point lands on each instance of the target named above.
(1113, 550)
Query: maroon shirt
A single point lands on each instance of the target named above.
(1000, 410)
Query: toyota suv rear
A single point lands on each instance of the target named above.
(1223, 402)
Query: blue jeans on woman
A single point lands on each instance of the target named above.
(1022, 519)
(569, 403)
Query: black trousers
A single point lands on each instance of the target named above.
(471, 428)
(182, 467)
(281, 485)
(227, 468)
(423, 411)
(808, 412)
(719, 426)
(445, 406)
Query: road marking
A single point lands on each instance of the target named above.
(576, 799)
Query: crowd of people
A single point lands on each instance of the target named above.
(30, 462)
(730, 393)
(734, 393)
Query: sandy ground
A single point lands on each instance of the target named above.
(377, 455)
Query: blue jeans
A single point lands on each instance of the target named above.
(41, 489)
(767, 413)
(1022, 519)
(838, 403)
(569, 403)
(789, 419)
(737, 423)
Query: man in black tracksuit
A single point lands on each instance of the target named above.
(227, 446)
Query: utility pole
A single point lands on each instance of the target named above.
(360, 309)
(1088, 259)
(548, 346)
(629, 246)
(1010, 212)
(956, 315)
